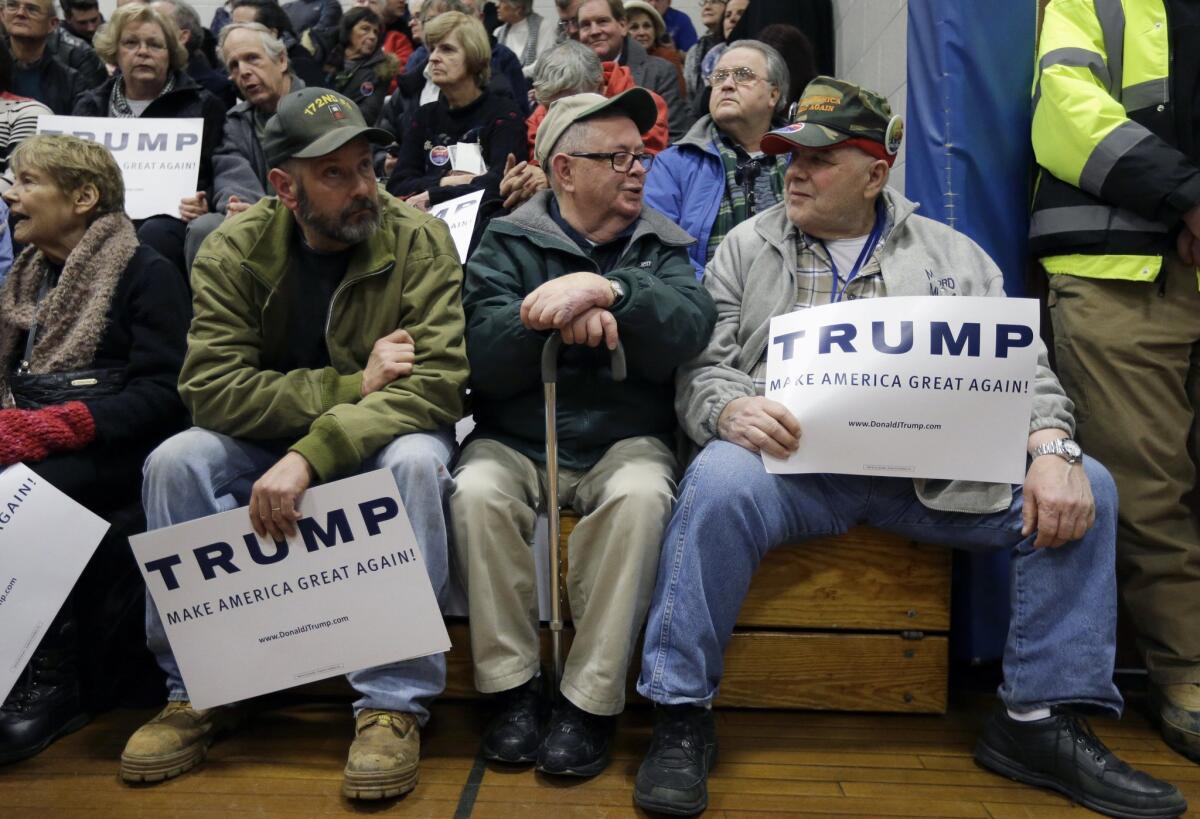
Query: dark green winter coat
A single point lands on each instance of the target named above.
(664, 319)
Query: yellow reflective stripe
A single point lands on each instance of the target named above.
(1124, 268)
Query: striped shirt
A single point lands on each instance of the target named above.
(18, 122)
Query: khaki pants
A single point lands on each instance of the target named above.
(625, 503)
(1128, 355)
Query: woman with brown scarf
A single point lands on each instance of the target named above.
(92, 336)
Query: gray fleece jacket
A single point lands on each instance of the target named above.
(752, 279)
(239, 164)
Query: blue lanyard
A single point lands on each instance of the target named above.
(864, 254)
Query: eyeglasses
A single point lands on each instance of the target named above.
(133, 44)
(741, 76)
(32, 10)
(571, 24)
(621, 161)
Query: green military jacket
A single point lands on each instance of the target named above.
(406, 275)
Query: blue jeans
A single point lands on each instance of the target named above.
(200, 472)
(731, 512)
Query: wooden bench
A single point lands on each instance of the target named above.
(853, 623)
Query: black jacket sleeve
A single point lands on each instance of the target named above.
(152, 308)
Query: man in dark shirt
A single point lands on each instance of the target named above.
(328, 340)
(37, 72)
(82, 18)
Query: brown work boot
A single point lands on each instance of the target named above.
(173, 742)
(384, 755)
(1177, 708)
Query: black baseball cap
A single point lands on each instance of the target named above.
(314, 122)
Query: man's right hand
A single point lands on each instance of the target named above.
(760, 425)
(591, 328)
(392, 357)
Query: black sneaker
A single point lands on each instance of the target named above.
(673, 777)
(514, 733)
(1061, 753)
(576, 743)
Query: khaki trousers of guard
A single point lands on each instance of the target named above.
(624, 502)
(1128, 354)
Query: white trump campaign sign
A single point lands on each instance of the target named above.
(46, 540)
(247, 615)
(915, 387)
(459, 215)
(159, 158)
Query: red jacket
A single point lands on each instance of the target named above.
(617, 79)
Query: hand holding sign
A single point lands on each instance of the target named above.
(191, 207)
(275, 497)
(760, 425)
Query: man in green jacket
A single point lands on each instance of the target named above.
(327, 340)
(1116, 221)
(584, 259)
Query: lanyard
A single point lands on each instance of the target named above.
(864, 254)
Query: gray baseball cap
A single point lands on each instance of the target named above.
(313, 122)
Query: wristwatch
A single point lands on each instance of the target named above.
(1064, 448)
(618, 292)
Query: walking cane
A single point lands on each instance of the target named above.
(549, 386)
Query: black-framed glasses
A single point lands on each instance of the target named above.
(621, 161)
(741, 76)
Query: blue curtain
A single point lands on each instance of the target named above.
(968, 162)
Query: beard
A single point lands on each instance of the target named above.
(353, 224)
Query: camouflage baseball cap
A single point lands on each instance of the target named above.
(832, 111)
(314, 122)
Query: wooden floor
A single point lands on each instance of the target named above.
(288, 762)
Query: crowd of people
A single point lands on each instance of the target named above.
(302, 317)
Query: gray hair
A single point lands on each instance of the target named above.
(270, 43)
(188, 20)
(523, 6)
(777, 70)
(576, 138)
(568, 68)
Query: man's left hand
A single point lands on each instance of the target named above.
(275, 497)
(560, 301)
(1058, 502)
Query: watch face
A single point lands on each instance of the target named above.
(1071, 448)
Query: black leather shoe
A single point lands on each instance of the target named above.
(1061, 753)
(514, 733)
(576, 743)
(673, 777)
(45, 703)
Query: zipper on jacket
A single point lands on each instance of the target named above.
(341, 287)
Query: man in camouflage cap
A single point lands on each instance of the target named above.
(841, 233)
